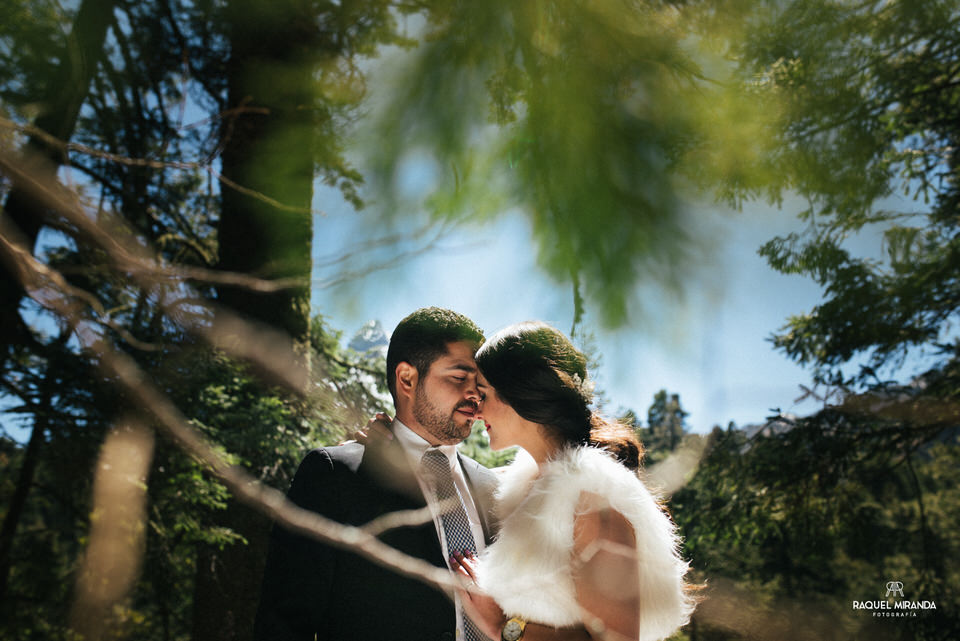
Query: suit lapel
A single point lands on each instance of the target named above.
(483, 484)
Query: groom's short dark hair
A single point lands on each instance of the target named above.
(422, 337)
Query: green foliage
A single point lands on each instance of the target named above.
(806, 516)
(37, 27)
(666, 426)
(477, 447)
(824, 511)
(350, 387)
(264, 429)
(827, 509)
(154, 115)
(586, 117)
(46, 550)
(591, 119)
(870, 99)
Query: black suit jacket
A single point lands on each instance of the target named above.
(311, 590)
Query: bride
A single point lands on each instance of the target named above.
(582, 544)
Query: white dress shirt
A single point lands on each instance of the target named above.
(414, 446)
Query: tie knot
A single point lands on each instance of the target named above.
(436, 469)
(435, 463)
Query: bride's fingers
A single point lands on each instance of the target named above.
(456, 564)
(465, 565)
(469, 564)
(376, 429)
(379, 426)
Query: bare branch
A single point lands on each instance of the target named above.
(255, 494)
(123, 370)
(115, 237)
(43, 281)
(730, 608)
(671, 474)
(64, 147)
(402, 518)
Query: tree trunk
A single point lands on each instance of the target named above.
(265, 230)
(227, 583)
(28, 468)
(66, 93)
(268, 148)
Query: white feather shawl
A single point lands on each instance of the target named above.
(528, 569)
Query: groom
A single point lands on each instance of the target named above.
(312, 590)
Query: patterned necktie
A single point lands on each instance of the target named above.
(453, 516)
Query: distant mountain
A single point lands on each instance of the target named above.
(774, 425)
(370, 336)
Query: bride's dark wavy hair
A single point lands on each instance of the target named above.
(537, 371)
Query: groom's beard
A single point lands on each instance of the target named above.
(442, 426)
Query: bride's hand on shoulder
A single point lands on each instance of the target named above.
(376, 430)
(481, 608)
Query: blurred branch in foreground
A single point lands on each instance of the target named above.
(113, 555)
(50, 289)
(59, 147)
(100, 584)
(115, 551)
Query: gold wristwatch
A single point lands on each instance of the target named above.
(513, 629)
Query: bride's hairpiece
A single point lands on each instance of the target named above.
(584, 387)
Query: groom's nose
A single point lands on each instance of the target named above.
(472, 393)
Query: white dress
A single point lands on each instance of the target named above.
(528, 569)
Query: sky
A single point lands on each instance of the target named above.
(710, 346)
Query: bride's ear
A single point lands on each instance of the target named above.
(407, 378)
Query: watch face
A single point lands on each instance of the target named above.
(512, 630)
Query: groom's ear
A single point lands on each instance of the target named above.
(407, 377)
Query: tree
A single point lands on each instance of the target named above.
(665, 425)
(268, 430)
(789, 541)
(845, 498)
(62, 99)
(186, 524)
(291, 83)
(870, 93)
(284, 128)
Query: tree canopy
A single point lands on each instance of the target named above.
(870, 92)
